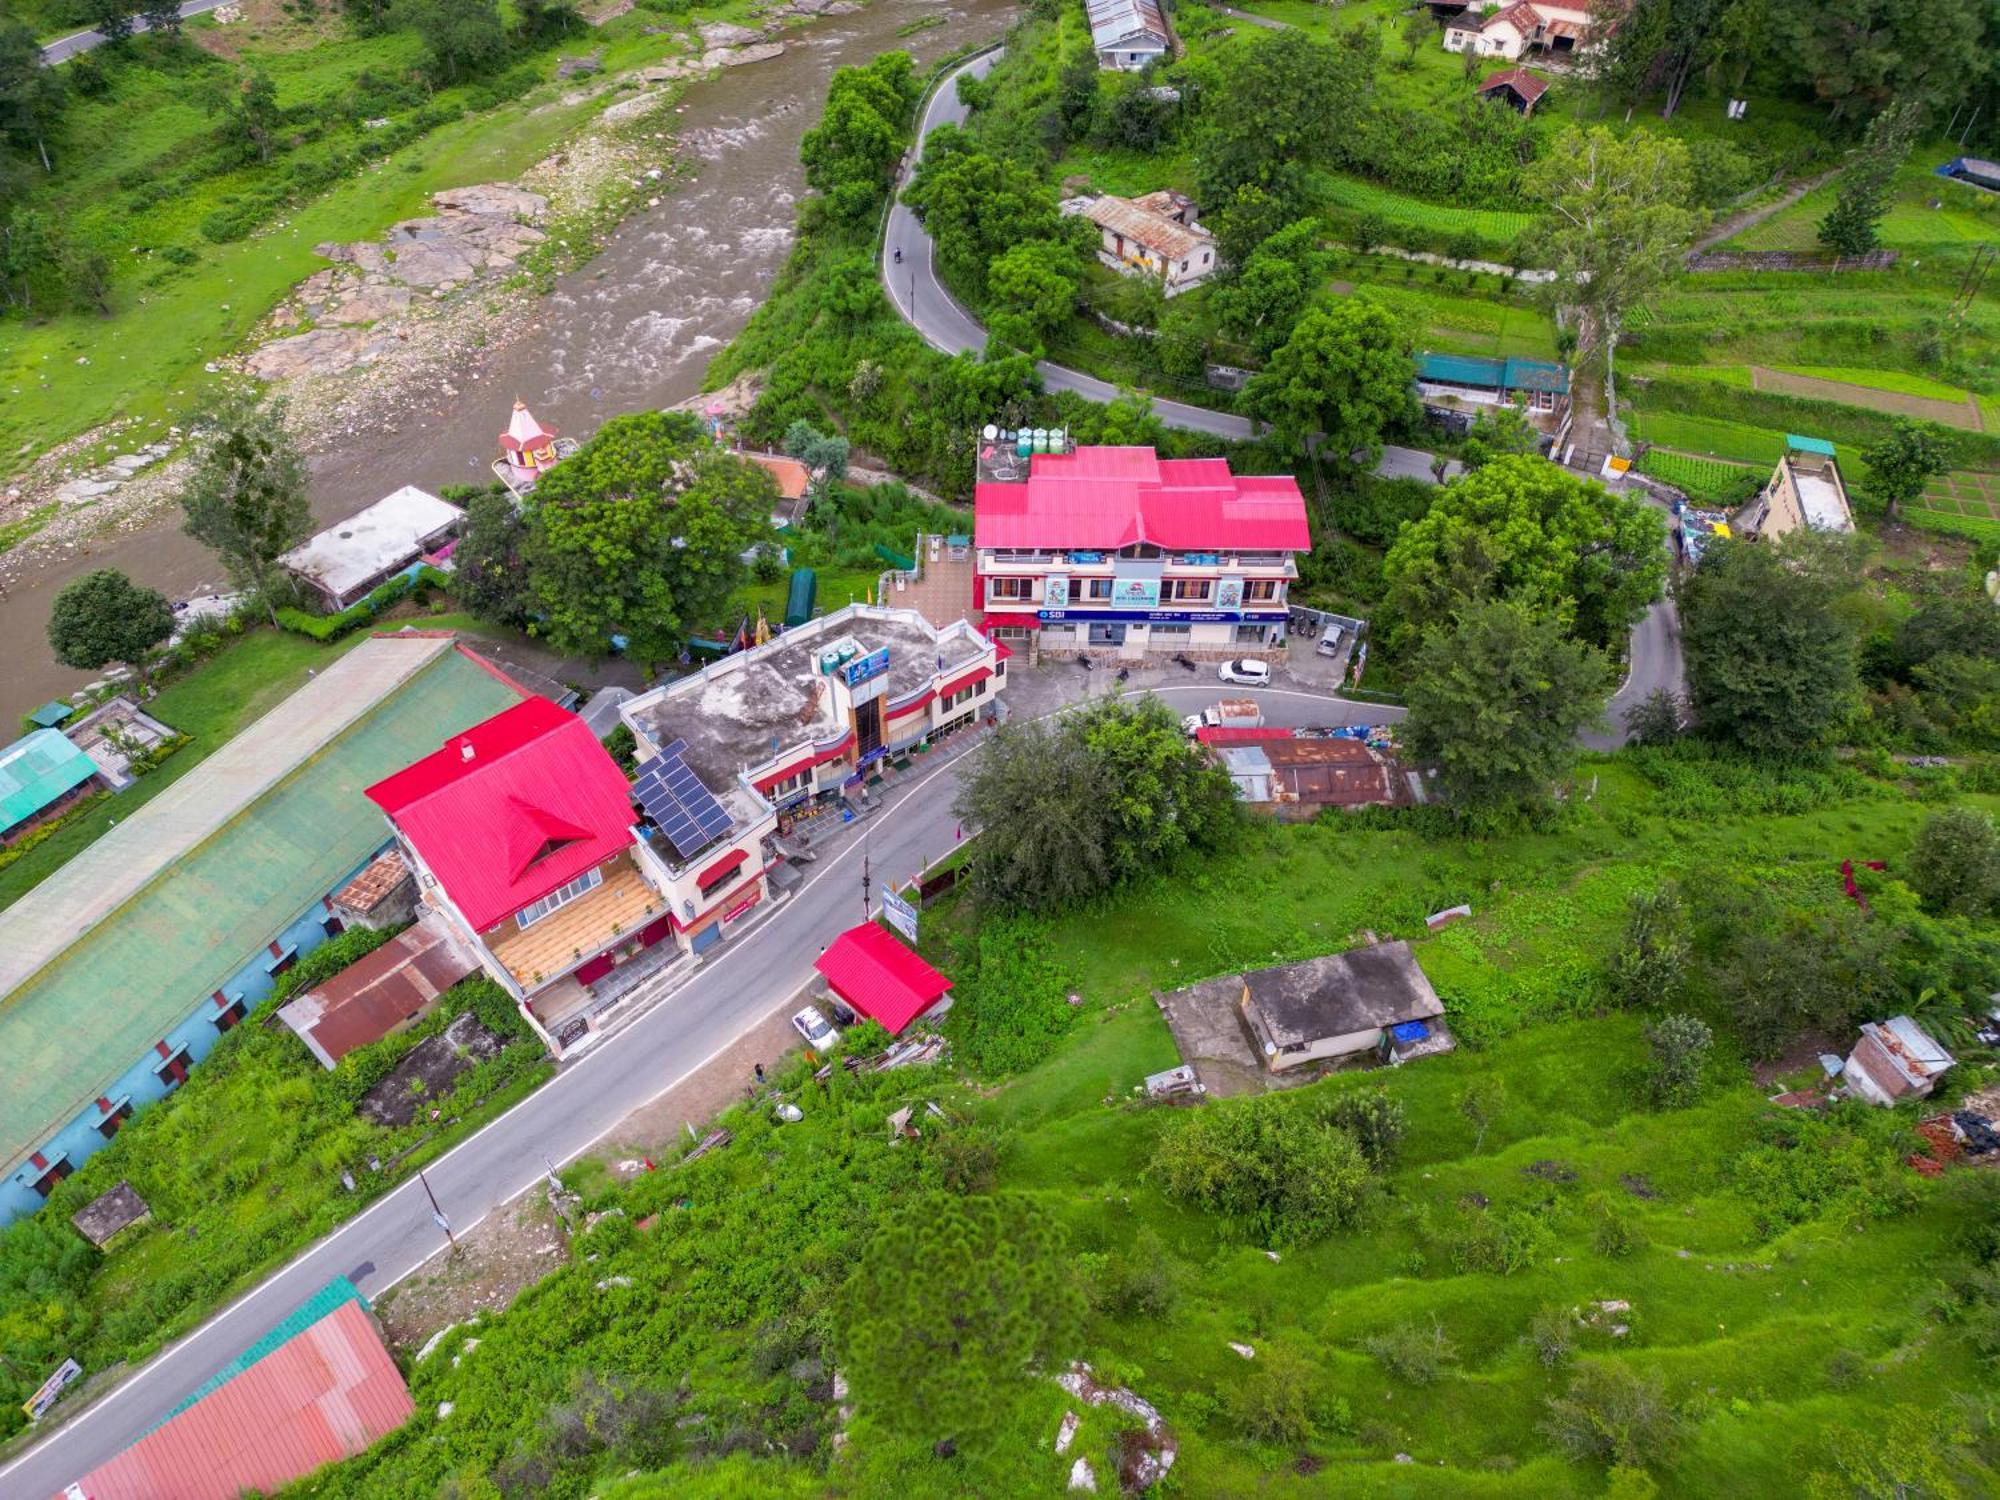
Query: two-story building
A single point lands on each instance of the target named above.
(523, 834)
(783, 726)
(1556, 28)
(1119, 549)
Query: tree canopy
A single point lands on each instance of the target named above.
(1269, 292)
(245, 498)
(640, 534)
(1853, 226)
(1902, 463)
(1497, 698)
(955, 1303)
(1771, 663)
(105, 617)
(1346, 371)
(1520, 528)
(1071, 808)
(851, 153)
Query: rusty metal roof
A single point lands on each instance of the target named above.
(380, 991)
(322, 1396)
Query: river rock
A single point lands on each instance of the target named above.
(631, 109)
(81, 491)
(726, 34)
(497, 199)
(667, 72)
(736, 57)
(322, 351)
(368, 305)
(432, 262)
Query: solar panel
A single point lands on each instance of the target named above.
(684, 810)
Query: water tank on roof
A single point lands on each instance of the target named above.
(848, 651)
(829, 662)
(1024, 445)
(989, 432)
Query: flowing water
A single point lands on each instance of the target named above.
(631, 331)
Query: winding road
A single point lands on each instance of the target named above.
(64, 48)
(909, 276)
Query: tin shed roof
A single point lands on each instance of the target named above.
(879, 977)
(37, 769)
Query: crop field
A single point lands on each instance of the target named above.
(1965, 500)
(1708, 481)
(1460, 322)
(1965, 216)
(1494, 226)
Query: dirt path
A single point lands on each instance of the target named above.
(1962, 414)
(1736, 223)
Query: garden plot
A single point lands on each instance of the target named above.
(1965, 492)
(1963, 413)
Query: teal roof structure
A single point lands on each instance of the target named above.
(122, 980)
(51, 714)
(336, 1294)
(1809, 445)
(1493, 374)
(36, 770)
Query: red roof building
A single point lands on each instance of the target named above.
(323, 1395)
(880, 978)
(511, 810)
(1517, 86)
(1119, 548)
(382, 991)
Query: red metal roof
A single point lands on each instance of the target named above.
(1106, 498)
(722, 866)
(322, 1396)
(879, 977)
(1520, 80)
(1240, 735)
(511, 809)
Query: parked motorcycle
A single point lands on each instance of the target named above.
(1123, 673)
(1083, 661)
(1183, 660)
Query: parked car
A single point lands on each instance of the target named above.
(821, 1035)
(1249, 673)
(1330, 639)
(842, 1016)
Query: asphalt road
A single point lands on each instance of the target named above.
(67, 47)
(574, 1111)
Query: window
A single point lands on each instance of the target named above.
(114, 1117)
(1261, 588)
(724, 880)
(1008, 633)
(791, 786)
(226, 1018)
(1184, 266)
(1089, 588)
(174, 1071)
(1545, 400)
(334, 927)
(1010, 588)
(1196, 589)
(534, 911)
(58, 1170)
(1170, 633)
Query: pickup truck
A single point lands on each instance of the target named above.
(1230, 713)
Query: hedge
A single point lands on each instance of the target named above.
(333, 627)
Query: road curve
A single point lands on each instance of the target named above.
(573, 1112)
(64, 48)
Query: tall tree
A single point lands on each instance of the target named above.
(110, 19)
(1033, 285)
(1263, 301)
(1853, 225)
(1664, 45)
(977, 207)
(462, 38)
(1858, 55)
(248, 107)
(1771, 662)
(1497, 698)
(1347, 371)
(1522, 529)
(162, 18)
(104, 617)
(31, 95)
(245, 499)
(1901, 464)
(1617, 221)
(488, 575)
(944, 1356)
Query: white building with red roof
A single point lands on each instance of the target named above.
(1555, 27)
(1118, 549)
(524, 834)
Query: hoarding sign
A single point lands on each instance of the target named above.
(1135, 593)
(1156, 617)
(37, 1405)
(864, 668)
(1229, 593)
(1055, 590)
(902, 916)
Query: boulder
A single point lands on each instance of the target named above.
(322, 351)
(500, 199)
(631, 109)
(725, 34)
(431, 262)
(736, 57)
(368, 305)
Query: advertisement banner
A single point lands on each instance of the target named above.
(1156, 617)
(864, 668)
(902, 916)
(1055, 590)
(1135, 593)
(37, 1405)
(1229, 593)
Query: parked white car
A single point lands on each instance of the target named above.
(820, 1034)
(1249, 673)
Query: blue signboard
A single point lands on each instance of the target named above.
(862, 668)
(1156, 617)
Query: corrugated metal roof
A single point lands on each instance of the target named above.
(323, 1395)
(1113, 21)
(37, 769)
(511, 809)
(1809, 445)
(336, 1293)
(879, 977)
(380, 991)
(1146, 227)
(1110, 497)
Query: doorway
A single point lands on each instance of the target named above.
(868, 727)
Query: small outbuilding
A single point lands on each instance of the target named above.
(1517, 87)
(41, 775)
(1895, 1059)
(1127, 34)
(344, 562)
(110, 1214)
(1337, 1006)
(1155, 235)
(384, 894)
(381, 992)
(881, 979)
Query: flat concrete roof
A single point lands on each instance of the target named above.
(119, 945)
(746, 708)
(1342, 993)
(388, 534)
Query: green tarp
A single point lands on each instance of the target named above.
(51, 714)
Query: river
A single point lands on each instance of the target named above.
(633, 330)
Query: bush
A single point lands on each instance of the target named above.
(1612, 1413)
(1291, 1178)
(1955, 865)
(1553, 1335)
(1413, 1353)
(1679, 1046)
(1611, 1232)
(333, 627)
(1012, 1006)
(1502, 1241)
(1375, 1119)
(1138, 1281)
(1651, 961)
(1273, 1403)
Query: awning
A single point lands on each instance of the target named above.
(722, 867)
(879, 977)
(977, 674)
(765, 782)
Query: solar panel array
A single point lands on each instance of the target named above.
(684, 810)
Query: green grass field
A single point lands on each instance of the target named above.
(1707, 481)
(1965, 216)
(1709, 435)
(1494, 228)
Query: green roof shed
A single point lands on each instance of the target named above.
(37, 770)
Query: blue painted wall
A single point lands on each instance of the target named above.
(80, 1138)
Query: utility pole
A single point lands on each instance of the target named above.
(864, 879)
(436, 1212)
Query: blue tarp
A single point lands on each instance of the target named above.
(1409, 1031)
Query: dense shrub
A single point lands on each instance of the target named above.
(333, 627)
(1289, 1178)
(1613, 1413)
(1011, 1005)
(1412, 1352)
